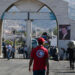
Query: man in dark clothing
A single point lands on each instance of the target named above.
(40, 57)
(71, 52)
(4, 49)
(4, 52)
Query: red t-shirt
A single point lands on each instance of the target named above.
(39, 54)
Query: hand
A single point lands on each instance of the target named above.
(29, 69)
(47, 73)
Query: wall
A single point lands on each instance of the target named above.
(60, 9)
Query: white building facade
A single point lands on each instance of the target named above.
(58, 7)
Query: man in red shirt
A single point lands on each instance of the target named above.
(40, 57)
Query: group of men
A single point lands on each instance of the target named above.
(8, 51)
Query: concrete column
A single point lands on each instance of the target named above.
(29, 35)
(0, 37)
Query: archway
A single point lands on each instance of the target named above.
(41, 4)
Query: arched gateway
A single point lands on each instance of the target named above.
(59, 8)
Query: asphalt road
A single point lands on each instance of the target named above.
(20, 67)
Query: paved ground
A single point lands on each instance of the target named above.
(20, 67)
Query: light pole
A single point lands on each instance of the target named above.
(14, 31)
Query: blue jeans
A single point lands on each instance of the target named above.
(8, 55)
(39, 72)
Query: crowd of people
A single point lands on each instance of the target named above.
(8, 51)
(23, 50)
(41, 54)
(40, 57)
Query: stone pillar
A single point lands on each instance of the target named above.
(0, 37)
(29, 35)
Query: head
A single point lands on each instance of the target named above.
(41, 41)
(45, 33)
(71, 44)
(64, 30)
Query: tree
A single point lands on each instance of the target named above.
(55, 31)
(9, 42)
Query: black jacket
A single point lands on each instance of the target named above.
(71, 52)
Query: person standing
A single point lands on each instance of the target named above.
(9, 49)
(47, 41)
(40, 57)
(25, 53)
(4, 49)
(13, 52)
(56, 54)
(71, 52)
(63, 53)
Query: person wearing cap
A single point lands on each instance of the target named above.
(40, 57)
